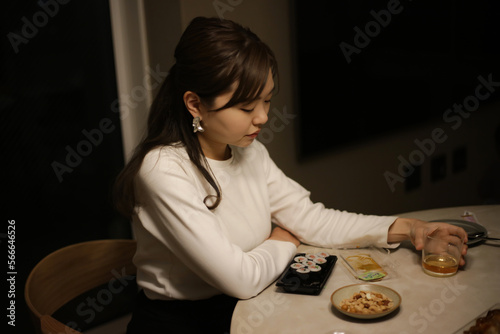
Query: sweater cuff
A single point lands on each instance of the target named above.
(382, 242)
(280, 251)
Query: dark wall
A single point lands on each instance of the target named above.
(368, 68)
(61, 138)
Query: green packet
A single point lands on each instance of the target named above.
(364, 267)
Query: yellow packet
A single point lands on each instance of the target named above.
(364, 267)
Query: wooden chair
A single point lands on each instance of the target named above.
(102, 266)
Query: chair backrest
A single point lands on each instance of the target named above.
(71, 271)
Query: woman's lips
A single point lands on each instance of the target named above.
(253, 135)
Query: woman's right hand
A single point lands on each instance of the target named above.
(283, 235)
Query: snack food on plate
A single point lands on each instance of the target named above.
(489, 324)
(367, 302)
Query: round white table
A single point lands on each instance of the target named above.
(429, 304)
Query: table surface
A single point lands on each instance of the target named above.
(429, 304)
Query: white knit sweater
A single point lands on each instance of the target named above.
(186, 251)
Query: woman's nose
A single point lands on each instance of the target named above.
(261, 114)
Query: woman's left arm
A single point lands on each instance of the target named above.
(417, 230)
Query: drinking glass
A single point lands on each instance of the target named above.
(441, 253)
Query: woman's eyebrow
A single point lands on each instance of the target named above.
(272, 90)
(264, 95)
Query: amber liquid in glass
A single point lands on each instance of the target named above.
(440, 265)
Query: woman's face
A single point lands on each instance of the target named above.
(238, 125)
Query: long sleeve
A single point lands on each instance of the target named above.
(186, 251)
(314, 224)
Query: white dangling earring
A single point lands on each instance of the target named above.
(196, 125)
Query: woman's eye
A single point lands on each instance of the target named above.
(252, 109)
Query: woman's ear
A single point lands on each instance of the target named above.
(193, 103)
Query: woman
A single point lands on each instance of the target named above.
(202, 192)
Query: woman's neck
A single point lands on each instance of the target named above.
(220, 153)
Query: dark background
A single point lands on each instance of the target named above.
(60, 83)
(425, 59)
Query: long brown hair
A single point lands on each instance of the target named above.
(211, 55)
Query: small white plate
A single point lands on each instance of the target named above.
(348, 291)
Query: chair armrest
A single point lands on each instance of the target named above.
(50, 325)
